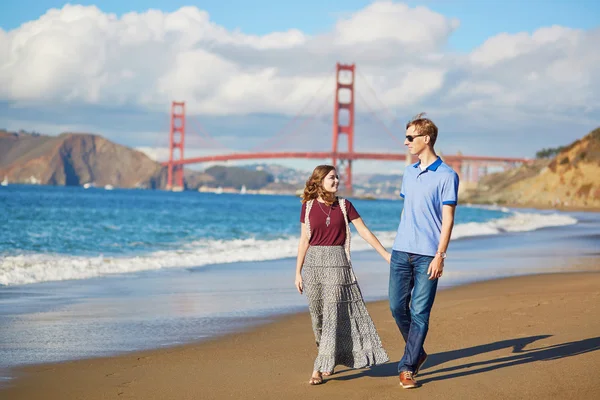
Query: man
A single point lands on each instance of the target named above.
(430, 192)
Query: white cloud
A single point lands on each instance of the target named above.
(548, 74)
(386, 20)
(80, 54)
(505, 46)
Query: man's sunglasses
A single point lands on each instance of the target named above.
(410, 138)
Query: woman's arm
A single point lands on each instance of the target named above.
(302, 247)
(366, 234)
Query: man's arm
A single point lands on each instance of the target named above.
(436, 267)
(447, 226)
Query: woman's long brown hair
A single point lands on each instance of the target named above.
(314, 185)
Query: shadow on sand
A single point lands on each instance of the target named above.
(520, 356)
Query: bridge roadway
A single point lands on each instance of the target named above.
(340, 156)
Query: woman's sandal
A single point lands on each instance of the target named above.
(316, 380)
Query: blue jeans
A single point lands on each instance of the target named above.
(409, 281)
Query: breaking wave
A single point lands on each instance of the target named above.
(33, 268)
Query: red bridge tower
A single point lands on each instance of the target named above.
(346, 90)
(176, 141)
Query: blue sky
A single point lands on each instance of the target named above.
(479, 18)
(483, 97)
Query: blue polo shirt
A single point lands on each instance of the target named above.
(425, 193)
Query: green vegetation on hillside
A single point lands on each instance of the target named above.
(236, 177)
(549, 153)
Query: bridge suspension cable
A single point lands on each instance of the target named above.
(281, 135)
(306, 122)
(207, 137)
(383, 106)
(378, 120)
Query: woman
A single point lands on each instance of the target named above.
(344, 331)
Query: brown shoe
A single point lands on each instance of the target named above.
(407, 381)
(420, 363)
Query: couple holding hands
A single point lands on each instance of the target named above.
(344, 331)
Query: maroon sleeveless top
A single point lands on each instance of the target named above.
(335, 233)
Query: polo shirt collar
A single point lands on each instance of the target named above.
(433, 167)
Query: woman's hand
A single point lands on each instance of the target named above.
(388, 257)
(298, 283)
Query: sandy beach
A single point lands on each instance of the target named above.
(534, 337)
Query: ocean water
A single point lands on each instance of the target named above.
(87, 273)
(58, 233)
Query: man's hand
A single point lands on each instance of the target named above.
(436, 267)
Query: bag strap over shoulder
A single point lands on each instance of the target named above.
(347, 243)
(309, 204)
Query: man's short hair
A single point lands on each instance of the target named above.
(424, 126)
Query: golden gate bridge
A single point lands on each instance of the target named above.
(469, 166)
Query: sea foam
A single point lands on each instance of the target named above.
(33, 268)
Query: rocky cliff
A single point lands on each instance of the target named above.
(571, 179)
(75, 159)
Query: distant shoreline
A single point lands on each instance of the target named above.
(367, 197)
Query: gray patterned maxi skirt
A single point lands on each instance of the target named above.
(344, 331)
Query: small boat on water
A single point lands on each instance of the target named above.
(4, 182)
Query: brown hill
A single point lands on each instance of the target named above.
(75, 159)
(571, 179)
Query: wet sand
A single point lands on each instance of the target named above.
(530, 337)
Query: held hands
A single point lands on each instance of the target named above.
(298, 283)
(388, 257)
(436, 268)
